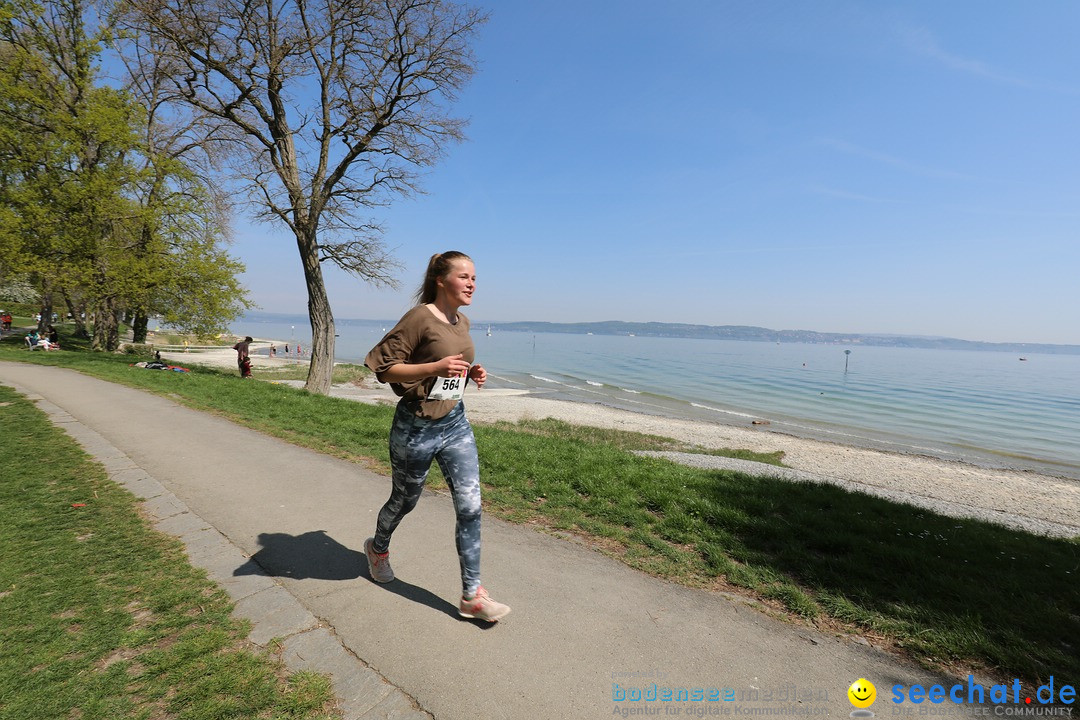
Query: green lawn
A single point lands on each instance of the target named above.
(952, 593)
(103, 617)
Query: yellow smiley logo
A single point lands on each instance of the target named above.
(862, 693)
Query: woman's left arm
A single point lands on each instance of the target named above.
(478, 375)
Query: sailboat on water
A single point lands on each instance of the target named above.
(489, 331)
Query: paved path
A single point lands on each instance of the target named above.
(282, 529)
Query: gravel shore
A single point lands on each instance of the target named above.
(1024, 500)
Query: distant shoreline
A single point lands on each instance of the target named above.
(722, 332)
(756, 334)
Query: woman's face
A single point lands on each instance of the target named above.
(459, 284)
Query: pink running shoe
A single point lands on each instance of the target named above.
(482, 607)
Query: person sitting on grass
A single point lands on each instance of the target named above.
(39, 342)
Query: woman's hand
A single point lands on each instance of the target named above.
(478, 375)
(451, 366)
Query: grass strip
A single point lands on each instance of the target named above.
(952, 593)
(103, 617)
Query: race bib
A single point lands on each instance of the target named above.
(446, 388)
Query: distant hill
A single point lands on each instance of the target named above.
(760, 334)
(721, 332)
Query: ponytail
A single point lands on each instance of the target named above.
(439, 266)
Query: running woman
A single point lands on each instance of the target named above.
(427, 359)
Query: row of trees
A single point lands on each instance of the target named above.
(319, 110)
(105, 209)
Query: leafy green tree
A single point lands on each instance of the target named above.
(101, 216)
(69, 139)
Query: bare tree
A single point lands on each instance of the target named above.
(331, 107)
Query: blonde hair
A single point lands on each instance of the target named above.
(439, 266)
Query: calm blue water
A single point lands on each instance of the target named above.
(987, 408)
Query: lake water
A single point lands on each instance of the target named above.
(987, 408)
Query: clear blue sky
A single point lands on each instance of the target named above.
(879, 167)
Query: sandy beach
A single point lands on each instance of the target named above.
(1030, 501)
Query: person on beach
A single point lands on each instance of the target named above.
(427, 359)
(243, 359)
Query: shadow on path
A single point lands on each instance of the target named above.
(421, 596)
(316, 555)
(313, 555)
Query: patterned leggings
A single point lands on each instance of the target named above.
(413, 443)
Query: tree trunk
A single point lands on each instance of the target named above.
(78, 315)
(139, 326)
(46, 311)
(320, 371)
(106, 326)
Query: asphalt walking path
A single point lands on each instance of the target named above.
(282, 528)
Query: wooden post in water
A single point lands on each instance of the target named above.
(847, 355)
